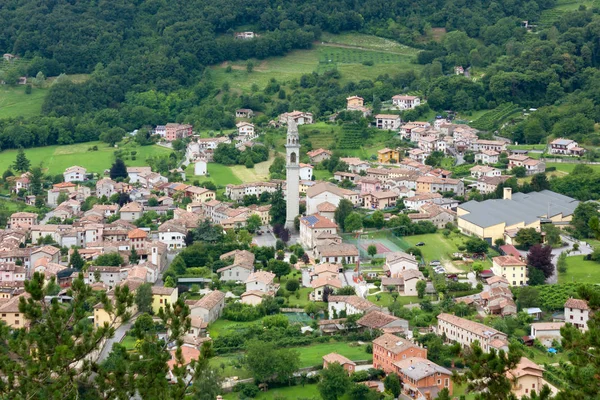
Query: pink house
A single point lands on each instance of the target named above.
(177, 131)
(369, 185)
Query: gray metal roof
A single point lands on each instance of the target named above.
(524, 207)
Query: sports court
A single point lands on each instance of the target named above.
(385, 243)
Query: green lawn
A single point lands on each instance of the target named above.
(543, 357)
(56, 159)
(219, 174)
(526, 147)
(15, 206)
(579, 270)
(322, 174)
(291, 393)
(437, 247)
(568, 167)
(386, 299)
(15, 103)
(128, 342)
(221, 326)
(309, 356)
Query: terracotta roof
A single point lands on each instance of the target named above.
(508, 261)
(47, 249)
(576, 303)
(137, 234)
(316, 152)
(163, 290)
(253, 293)
(326, 280)
(376, 320)
(197, 322)
(210, 300)
(188, 353)
(547, 326)
(326, 267)
(337, 358)
(472, 326)
(393, 343)
(328, 187)
(354, 301)
(326, 207)
(496, 279)
(317, 221)
(261, 276)
(526, 367)
(338, 250)
(134, 206)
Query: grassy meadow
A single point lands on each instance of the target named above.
(55, 159)
(580, 270)
(15, 103)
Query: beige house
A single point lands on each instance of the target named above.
(253, 297)
(262, 281)
(131, 211)
(24, 220)
(388, 121)
(321, 283)
(350, 305)
(437, 215)
(318, 155)
(527, 377)
(312, 226)
(210, 307)
(10, 314)
(380, 200)
(331, 358)
(398, 262)
(241, 268)
(511, 268)
(337, 253)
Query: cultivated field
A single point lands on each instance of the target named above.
(344, 52)
(55, 159)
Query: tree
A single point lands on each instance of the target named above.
(539, 182)
(552, 234)
(561, 263)
(207, 381)
(278, 208)
(353, 222)
(169, 282)
(540, 257)
(444, 394)
(334, 382)
(528, 237)
(594, 225)
(21, 163)
(346, 291)
(372, 250)
(393, 384)
(293, 259)
(118, 170)
(112, 135)
(343, 210)
(266, 362)
(279, 268)
(76, 261)
(253, 223)
(519, 172)
(249, 66)
(143, 298)
(487, 372)
(421, 286)
(109, 260)
(583, 214)
(528, 297)
(35, 181)
(476, 245)
(292, 285)
(378, 219)
(358, 391)
(134, 258)
(61, 337)
(536, 276)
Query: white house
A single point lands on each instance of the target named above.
(577, 312)
(135, 172)
(406, 102)
(483, 170)
(328, 192)
(262, 281)
(245, 128)
(355, 164)
(563, 146)
(241, 268)
(487, 157)
(306, 172)
(398, 262)
(210, 307)
(465, 332)
(172, 233)
(75, 174)
(546, 332)
(200, 167)
(350, 305)
(388, 121)
(131, 211)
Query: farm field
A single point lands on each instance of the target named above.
(260, 172)
(57, 158)
(15, 103)
(580, 270)
(346, 53)
(493, 118)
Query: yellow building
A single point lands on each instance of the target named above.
(10, 314)
(387, 155)
(527, 377)
(199, 195)
(492, 219)
(162, 296)
(262, 212)
(353, 102)
(511, 268)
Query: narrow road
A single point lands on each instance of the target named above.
(120, 333)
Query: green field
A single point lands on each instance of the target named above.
(526, 147)
(346, 53)
(579, 270)
(56, 159)
(386, 299)
(290, 393)
(15, 103)
(568, 167)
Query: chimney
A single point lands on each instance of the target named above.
(507, 194)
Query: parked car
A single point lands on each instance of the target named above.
(434, 263)
(420, 244)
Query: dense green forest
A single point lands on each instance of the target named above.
(148, 62)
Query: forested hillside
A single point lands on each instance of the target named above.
(149, 62)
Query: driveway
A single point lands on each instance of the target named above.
(266, 239)
(120, 333)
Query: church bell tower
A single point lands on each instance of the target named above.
(292, 148)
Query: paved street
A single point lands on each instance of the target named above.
(120, 333)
